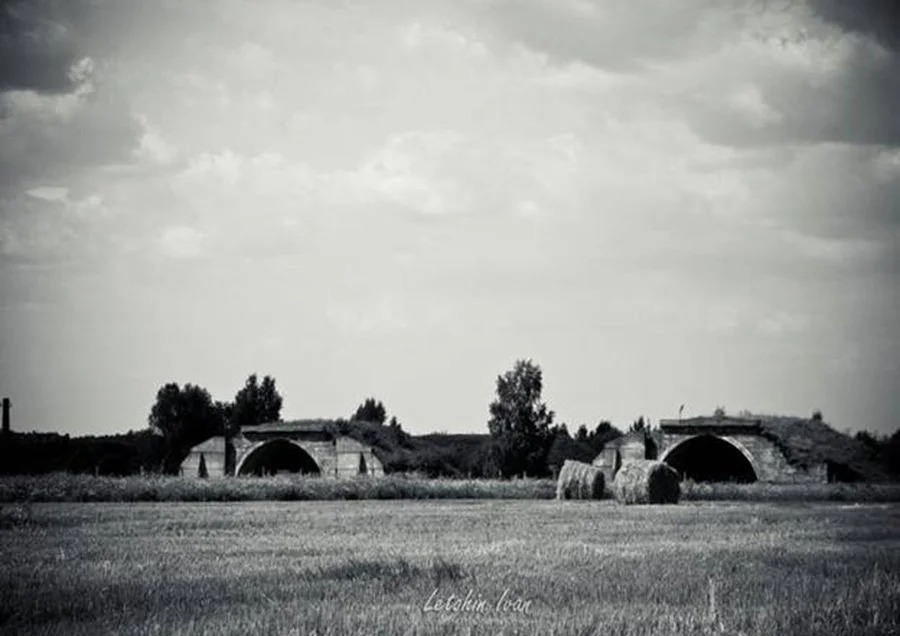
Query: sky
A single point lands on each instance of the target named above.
(659, 203)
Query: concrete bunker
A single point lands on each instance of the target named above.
(711, 458)
(278, 456)
(769, 449)
(299, 447)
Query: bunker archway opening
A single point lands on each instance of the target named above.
(278, 456)
(710, 458)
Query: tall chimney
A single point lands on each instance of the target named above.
(6, 406)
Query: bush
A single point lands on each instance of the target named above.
(70, 488)
(758, 491)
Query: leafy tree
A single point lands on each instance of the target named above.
(602, 435)
(638, 425)
(564, 447)
(226, 412)
(871, 441)
(370, 411)
(883, 448)
(483, 460)
(582, 433)
(520, 422)
(402, 436)
(256, 403)
(891, 453)
(185, 417)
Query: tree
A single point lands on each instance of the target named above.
(484, 460)
(185, 417)
(602, 435)
(885, 449)
(403, 438)
(582, 433)
(638, 425)
(520, 422)
(370, 411)
(891, 453)
(256, 403)
(871, 441)
(563, 447)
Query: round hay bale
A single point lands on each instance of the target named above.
(578, 480)
(644, 481)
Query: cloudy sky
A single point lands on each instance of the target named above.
(658, 202)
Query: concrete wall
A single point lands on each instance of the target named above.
(348, 452)
(608, 463)
(633, 448)
(213, 451)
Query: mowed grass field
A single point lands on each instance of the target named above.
(390, 567)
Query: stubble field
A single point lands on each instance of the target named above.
(450, 567)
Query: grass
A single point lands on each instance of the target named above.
(376, 567)
(87, 488)
(855, 492)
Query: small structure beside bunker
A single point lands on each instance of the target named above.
(298, 447)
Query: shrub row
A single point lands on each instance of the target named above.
(851, 492)
(73, 488)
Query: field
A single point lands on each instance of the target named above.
(391, 567)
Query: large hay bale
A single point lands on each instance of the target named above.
(578, 480)
(644, 481)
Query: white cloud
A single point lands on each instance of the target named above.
(417, 35)
(407, 170)
(528, 209)
(153, 147)
(255, 60)
(782, 324)
(725, 319)
(750, 102)
(367, 316)
(182, 242)
(54, 194)
(82, 73)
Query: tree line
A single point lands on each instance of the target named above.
(522, 438)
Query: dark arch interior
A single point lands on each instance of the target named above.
(709, 458)
(279, 456)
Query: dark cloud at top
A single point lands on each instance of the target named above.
(36, 52)
(879, 19)
(40, 40)
(859, 105)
